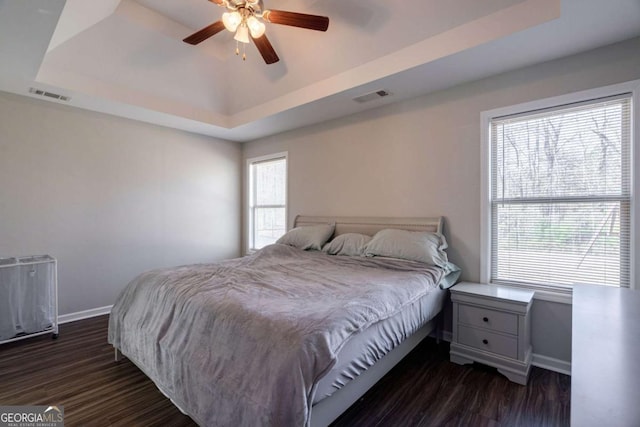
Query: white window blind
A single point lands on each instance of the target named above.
(561, 195)
(267, 201)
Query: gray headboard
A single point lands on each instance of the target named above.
(371, 225)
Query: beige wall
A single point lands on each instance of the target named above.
(422, 157)
(110, 197)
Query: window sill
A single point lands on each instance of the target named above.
(562, 295)
(559, 297)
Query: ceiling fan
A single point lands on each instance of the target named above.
(246, 18)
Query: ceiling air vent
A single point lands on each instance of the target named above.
(40, 92)
(371, 96)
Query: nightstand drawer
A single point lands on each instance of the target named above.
(488, 341)
(489, 319)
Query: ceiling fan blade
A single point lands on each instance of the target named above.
(205, 33)
(266, 50)
(294, 19)
(218, 2)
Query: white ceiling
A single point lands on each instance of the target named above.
(126, 57)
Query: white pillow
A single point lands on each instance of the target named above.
(412, 245)
(309, 237)
(349, 244)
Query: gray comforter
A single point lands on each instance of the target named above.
(244, 342)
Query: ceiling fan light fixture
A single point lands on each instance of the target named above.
(231, 20)
(247, 18)
(256, 27)
(242, 35)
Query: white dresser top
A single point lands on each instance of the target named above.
(605, 357)
(492, 291)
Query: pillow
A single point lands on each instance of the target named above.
(349, 244)
(412, 245)
(451, 275)
(309, 237)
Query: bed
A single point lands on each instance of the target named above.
(280, 337)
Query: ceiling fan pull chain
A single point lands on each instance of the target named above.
(244, 52)
(237, 48)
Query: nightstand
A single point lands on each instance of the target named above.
(491, 325)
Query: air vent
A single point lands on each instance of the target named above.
(371, 96)
(40, 92)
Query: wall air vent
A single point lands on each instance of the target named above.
(40, 92)
(371, 96)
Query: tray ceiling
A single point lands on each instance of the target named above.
(126, 57)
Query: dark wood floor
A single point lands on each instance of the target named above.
(425, 389)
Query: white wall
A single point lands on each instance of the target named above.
(111, 197)
(422, 158)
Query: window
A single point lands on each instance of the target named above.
(559, 201)
(267, 178)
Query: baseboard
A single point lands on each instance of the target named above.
(85, 314)
(551, 364)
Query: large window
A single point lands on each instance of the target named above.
(560, 195)
(267, 178)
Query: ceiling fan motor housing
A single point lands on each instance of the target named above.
(255, 7)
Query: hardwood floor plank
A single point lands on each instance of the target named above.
(78, 371)
(425, 389)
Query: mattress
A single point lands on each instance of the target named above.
(370, 345)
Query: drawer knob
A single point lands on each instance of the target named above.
(485, 341)
(485, 319)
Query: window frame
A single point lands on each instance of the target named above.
(560, 293)
(249, 185)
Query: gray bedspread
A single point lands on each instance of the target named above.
(244, 342)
